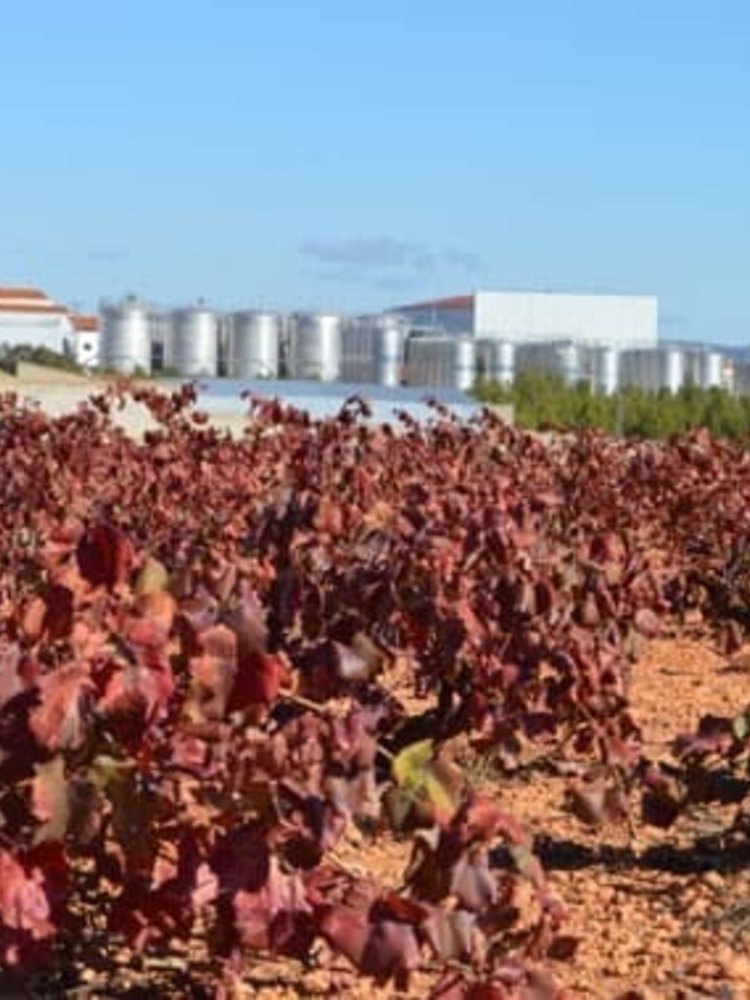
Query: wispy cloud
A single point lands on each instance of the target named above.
(386, 281)
(383, 261)
(107, 255)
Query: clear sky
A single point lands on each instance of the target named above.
(354, 154)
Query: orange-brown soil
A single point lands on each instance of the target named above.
(664, 914)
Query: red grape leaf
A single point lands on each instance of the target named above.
(58, 617)
(16, 673)
(213, 673)
(60, 721)
(139, 689)
(50, 800)
(473, 883)
(24, 905)
(647, 622)
(32, 618)
(277, 917)
(105, 556)
(384, 950)
(247, 619)
(450, 933)
(260, 677)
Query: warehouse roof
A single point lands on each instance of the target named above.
(452, 302)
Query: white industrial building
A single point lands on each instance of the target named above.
(86, 340)
(525, 317)
(30, 318)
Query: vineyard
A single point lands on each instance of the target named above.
(329, 707)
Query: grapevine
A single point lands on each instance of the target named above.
(196, 638)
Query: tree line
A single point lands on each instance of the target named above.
(546, 402)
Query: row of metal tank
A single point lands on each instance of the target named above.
(458, 362)
(193, 342)
(607, 369)
(382, 350)
(196, 342)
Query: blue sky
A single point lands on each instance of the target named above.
(354, 155)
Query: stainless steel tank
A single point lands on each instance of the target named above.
(464, 363)
(736, 377)
(605, 365)
(569, 363)
(126, 337)
(315, 346)
(496, 359)
(196, 342)
(439, 362)
(642, 369)
(161, 331)
(711, 369)
(372, 350)
(358, 350)
(389, 351)
(552, 357)
(426, 360)
(253, 345)
(504, 362)
(672, 369)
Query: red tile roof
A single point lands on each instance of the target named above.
(85, 324)
(28, 300)
(22, 293)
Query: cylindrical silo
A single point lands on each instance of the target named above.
(606, 370)
(196, 342)
(570, 363)
(465, 363)
(711, 369)
(161, 332)
(315, 349)
(502, 366)
(442, 362)
(389, 351)
(640, 368)
(358, 350)
(126, 337)
(254, 345)
(672, 364)
(651, 367)
(425, 361)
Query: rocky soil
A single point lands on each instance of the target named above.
(660, 915)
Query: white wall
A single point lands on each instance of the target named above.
(34, 329)
(620, 320)
(87, 346)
